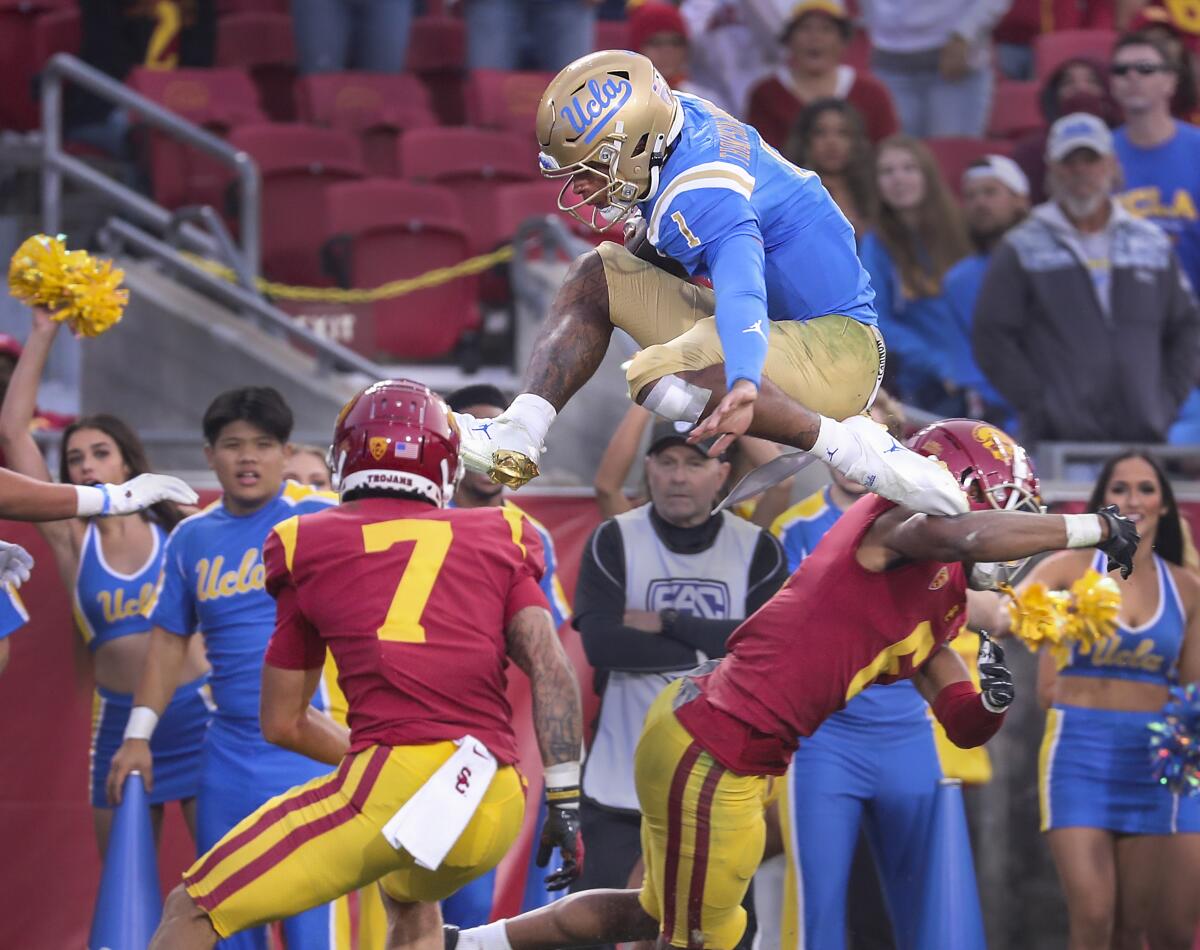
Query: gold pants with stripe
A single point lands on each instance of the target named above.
(702, 833)
(323, 839)
(832, 365)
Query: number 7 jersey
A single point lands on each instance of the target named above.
(413, 602)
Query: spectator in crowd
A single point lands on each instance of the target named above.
(660, 589)
(935, 57)
(117, 36)
(1027, 19)
(1085, 322)
(733, 43)
(829, 139)
(1180, 39)
(815, 38)
(918, 236)
(333, 36)
(995, 199)
(1077, 85)
(657, 31)
(1160, 165)
(306, 465)
(534, 34)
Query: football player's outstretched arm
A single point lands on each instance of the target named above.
(986, 536)
(558, 721)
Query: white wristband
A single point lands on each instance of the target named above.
(1083, 531)
(562, 775)
(142, 720)
(90, 501)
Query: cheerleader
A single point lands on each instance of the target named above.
(111, 565)
(1125, 847)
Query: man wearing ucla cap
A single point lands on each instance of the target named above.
(661, 587)
(995, 197)
(1085, 323)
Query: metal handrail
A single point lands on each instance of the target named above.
(329, 354)
(57, 164)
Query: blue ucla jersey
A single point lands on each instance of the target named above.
(776, 246)
(213, 582)
(799, 529)
(552, 587)
(1148, 653)
(1162, 184)
(109, 604)
(13, 614)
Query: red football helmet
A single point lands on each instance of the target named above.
(396, 435)
(993, 469)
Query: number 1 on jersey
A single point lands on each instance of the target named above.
(403, 621)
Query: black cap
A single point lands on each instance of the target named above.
(666, 433)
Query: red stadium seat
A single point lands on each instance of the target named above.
(474, 162)
(20, 62)
(611, 34)
(955, 154)
(298, 162)
(383, 230)
(57, 31)
(218, 100)
(1050, 50)
(376, 107)
(264, 45)
(1016, 110)
(437, 53)
(497, 99)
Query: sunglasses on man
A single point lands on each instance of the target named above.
(1142, 69)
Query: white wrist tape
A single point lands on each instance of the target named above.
(90, 501)
(1083, 531)
(672, 398)
(562, 775)
(142, 720)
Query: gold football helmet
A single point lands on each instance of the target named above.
(613, 115)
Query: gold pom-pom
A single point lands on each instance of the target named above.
(76, 288)
(1095, 602)
(1039, 619)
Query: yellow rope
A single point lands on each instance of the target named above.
(393, 288)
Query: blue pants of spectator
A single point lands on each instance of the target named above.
(930, 106)
(1186, 429)
(337, 35)
(553, 32)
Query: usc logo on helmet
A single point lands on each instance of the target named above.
(996, 441)
(378, 447)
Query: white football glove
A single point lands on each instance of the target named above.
(133, 495)
(15, 564)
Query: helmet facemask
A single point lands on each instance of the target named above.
(617, 199)
(1013, 495)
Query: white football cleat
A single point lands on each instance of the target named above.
(502, 448)
(888, 468)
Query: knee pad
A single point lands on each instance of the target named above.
(679, 401)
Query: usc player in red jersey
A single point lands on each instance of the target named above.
(876, 601)
(421, 607)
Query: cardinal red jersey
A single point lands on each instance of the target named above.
(832, 630)
(413, 602)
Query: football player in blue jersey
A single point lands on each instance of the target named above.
(785, 344)
(213, 582)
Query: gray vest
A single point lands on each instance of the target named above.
(710, 584)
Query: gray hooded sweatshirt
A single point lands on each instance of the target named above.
(1091, 338)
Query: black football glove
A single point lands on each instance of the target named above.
(1122, 540)
(562, 830)
(995, 679)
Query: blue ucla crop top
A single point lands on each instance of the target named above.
(109, 604)
(1148, 653)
